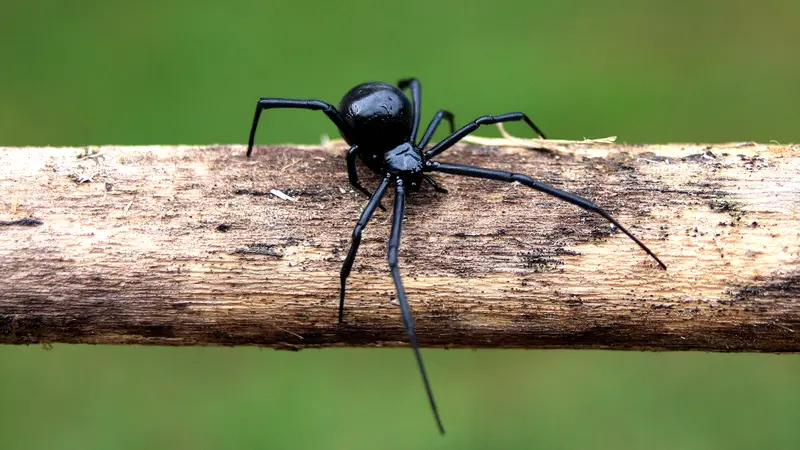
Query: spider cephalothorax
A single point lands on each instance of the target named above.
(380, 123)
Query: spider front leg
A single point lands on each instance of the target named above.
(408, 319)
(442, 114)
(374, 202)
(449, 141)
(500, 175)
(314, 105)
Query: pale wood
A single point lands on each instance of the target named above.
(184, 245)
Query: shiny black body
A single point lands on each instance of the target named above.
(381, 124)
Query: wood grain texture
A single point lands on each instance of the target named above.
(185, 246)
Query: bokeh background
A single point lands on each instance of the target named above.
(189, 72)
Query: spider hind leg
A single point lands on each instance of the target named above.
(437, 119)
(314, 105)
(462, 132)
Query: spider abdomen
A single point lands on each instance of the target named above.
(379, 115)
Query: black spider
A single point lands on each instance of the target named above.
(381, 125)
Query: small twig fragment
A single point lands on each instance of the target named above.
(281, 195)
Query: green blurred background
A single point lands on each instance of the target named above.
(160, 72)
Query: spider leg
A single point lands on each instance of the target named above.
(416, 95)
(408, 319)
(500, 175)
(352, 174)
(435, 185)
(442, 114)
(315, 105)
(373, 204)
(474, 125)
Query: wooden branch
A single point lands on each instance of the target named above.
(186, 245)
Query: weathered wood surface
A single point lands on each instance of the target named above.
(184, 245)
